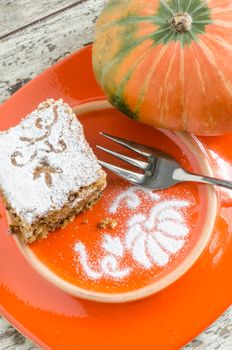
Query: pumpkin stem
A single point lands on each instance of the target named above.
(181, 22)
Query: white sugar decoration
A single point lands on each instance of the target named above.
(81, 250)
(173, 229)
(108, 265)
(113, 245)
(44, 159)
(160, 208)
(131, 198)
(171, 245)
(151, 239)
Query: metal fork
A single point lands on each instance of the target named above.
(160, 170)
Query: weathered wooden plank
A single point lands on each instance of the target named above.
(15, 14)
(10, 339)
(28, 52)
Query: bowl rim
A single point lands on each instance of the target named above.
(198, 150)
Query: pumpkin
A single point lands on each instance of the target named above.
(168, 63)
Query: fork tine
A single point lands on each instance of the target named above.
(137, 163)
(140, 149)
(128, 175)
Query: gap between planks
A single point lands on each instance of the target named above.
(43, 18)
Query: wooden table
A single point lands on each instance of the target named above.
(34, 34)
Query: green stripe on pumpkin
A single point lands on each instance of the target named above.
(197, 9)
(123, 107)
(125, 50)
(199, 12)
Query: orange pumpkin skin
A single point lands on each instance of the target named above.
(168, 63)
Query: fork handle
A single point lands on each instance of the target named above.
(181, 175)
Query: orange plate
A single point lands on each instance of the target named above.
(167, 320)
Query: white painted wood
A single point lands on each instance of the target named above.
(27, 52)
(18, 13)
(10, 339)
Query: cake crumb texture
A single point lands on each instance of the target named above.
(107, 223)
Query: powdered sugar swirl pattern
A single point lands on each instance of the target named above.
(44, 159)
(151, 239)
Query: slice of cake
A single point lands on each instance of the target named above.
(48, 172)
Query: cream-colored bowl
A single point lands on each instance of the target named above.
(211, 204)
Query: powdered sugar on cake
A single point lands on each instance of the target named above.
(44, 159)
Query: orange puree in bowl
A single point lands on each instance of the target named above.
(155, 231)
